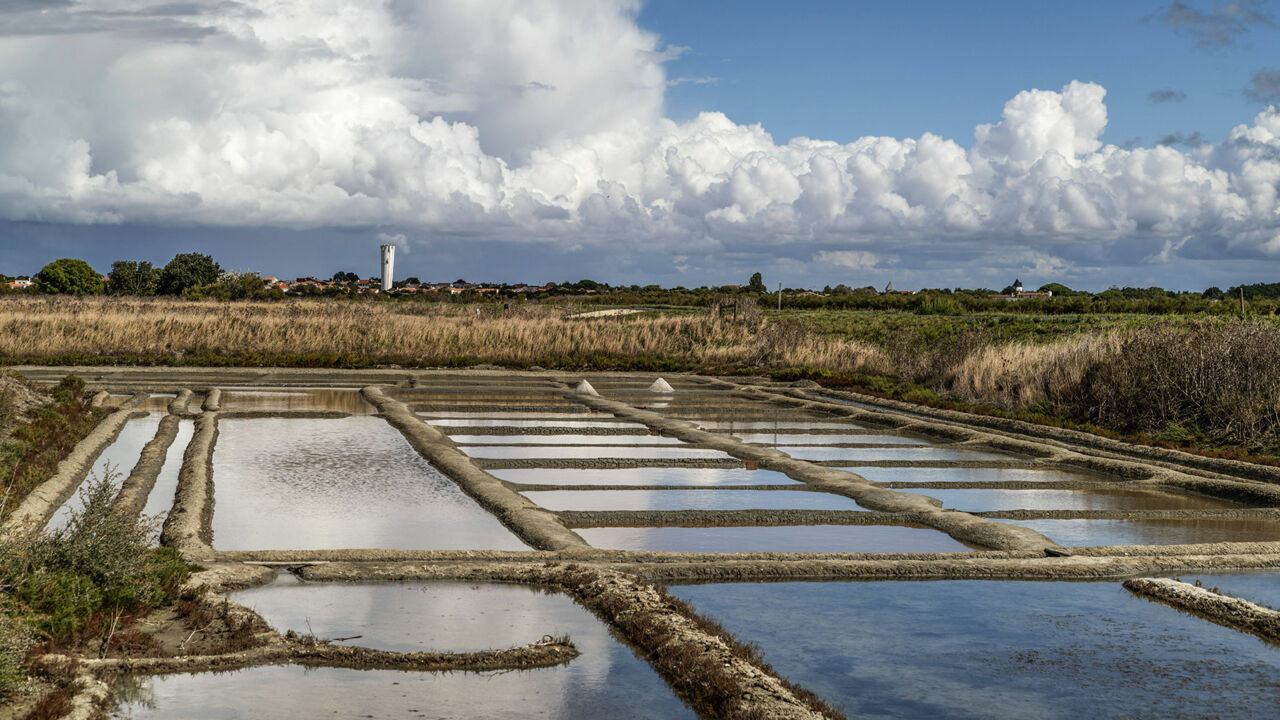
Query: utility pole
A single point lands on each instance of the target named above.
(1241, 301)
(779, 297)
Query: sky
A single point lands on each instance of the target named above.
(931, 144)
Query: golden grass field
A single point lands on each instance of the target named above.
(160, 330)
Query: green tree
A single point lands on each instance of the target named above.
(345, 276)
(69, 276)
(133, 277)
(1213, 293)
(756, 284)
(187, 270)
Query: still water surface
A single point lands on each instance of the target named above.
(989, 649)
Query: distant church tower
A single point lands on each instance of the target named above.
(1017, 286)
(888, 288)
(388, 263)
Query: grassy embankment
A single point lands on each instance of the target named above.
(81, 586)
(1207, 383)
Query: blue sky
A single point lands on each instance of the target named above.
(842, 70)
(949, 143)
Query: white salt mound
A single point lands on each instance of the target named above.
(661, 386)
(584, 388)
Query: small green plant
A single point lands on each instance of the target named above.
(15, 641)
(101, 566)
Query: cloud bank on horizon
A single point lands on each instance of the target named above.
(542, 121)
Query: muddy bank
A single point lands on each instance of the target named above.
(309, 651)
(1225, 610)
(40, 505)
(188, 527)
(132, 497)
(537, 527)
(213, 400)
(178, 406)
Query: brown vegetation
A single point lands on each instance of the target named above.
(1212, 381)
(346, 334)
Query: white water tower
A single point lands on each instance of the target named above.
(388, 262)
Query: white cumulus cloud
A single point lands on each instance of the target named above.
(542, 120)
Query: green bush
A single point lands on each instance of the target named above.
(69, 276)
(15, 640)
(101, 562)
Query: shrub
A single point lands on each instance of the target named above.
(15, 641)
(69, 276)
(101, 562)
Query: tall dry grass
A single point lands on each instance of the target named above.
(1214, 381)
(63, 329)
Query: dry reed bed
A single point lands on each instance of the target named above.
(57, 329)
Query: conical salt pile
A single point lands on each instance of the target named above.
(661, 386)
(584, 388)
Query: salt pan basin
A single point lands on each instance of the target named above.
(290, 484)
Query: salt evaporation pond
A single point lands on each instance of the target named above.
(290, 484)
(161, 497)
(516, 423)
(783, 439)
(762, 425)
(295, 399)
(1261, 587)
(1094, 498)
(510, 452)
(984, 649)
(121, 455)
(694, 477)
(564, 439)
(606, 680)
(908, 454)
(1143, 531)
(690, 500)
(775, 538)
(970, 475)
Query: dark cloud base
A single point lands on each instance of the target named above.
(26, 247)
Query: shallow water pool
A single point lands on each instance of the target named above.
(510, 452)
(606, 680)
(286, 484)
(695, 477)
(1102, 498)
(121, 455)
(775, 538)
(690, 500)
(984, 649)
(1076, 532)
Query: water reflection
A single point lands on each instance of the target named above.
(826, 439)
(644, 476)
(121, 455)
(566, 439)
(1153, 532)
(969, 475)
(774, 538)
(1075, 499)
(690, 500)
(161, 497)
(983, 649)
(607, 680)
(511, 422)
(926, 454)
(786, 424)
(345, 400)
(284, 484)
(600, 453)
(1261, 587)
